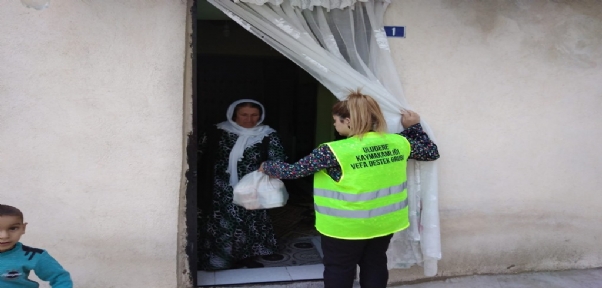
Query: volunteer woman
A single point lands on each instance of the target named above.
(360, 188)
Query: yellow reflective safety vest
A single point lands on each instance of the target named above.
(371, 199)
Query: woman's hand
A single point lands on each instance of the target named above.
(260, 167)
(409, 118)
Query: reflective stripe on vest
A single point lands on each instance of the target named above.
(362, 213)
(361, 197)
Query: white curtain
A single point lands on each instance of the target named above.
(342, 43)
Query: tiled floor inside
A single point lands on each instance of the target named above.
(293, 252)
(264, 275)
(261, 275)
(298, 243)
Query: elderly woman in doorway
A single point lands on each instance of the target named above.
(360, 189)
(229, 235)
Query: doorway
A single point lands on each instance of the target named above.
(231, 64)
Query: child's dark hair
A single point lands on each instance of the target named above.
(6, 210)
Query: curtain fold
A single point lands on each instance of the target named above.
(342, 43)
(306, 4)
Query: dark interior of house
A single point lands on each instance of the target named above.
(233, 64)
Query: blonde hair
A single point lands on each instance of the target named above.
(363, 111)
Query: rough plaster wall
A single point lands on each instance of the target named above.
(183, 267)
(513, 91)
(91, 134)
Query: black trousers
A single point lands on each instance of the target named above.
(341, 258)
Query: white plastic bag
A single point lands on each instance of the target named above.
(257, 190)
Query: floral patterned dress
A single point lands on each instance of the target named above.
(231, 233)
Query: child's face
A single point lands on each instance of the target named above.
(11, 229)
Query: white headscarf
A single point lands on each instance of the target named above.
(247, 137)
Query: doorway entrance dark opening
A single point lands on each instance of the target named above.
(230, 64)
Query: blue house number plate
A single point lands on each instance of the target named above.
(395, 31)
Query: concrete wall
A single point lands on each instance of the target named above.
(91, 126)
(513, 91)
(91, 105)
